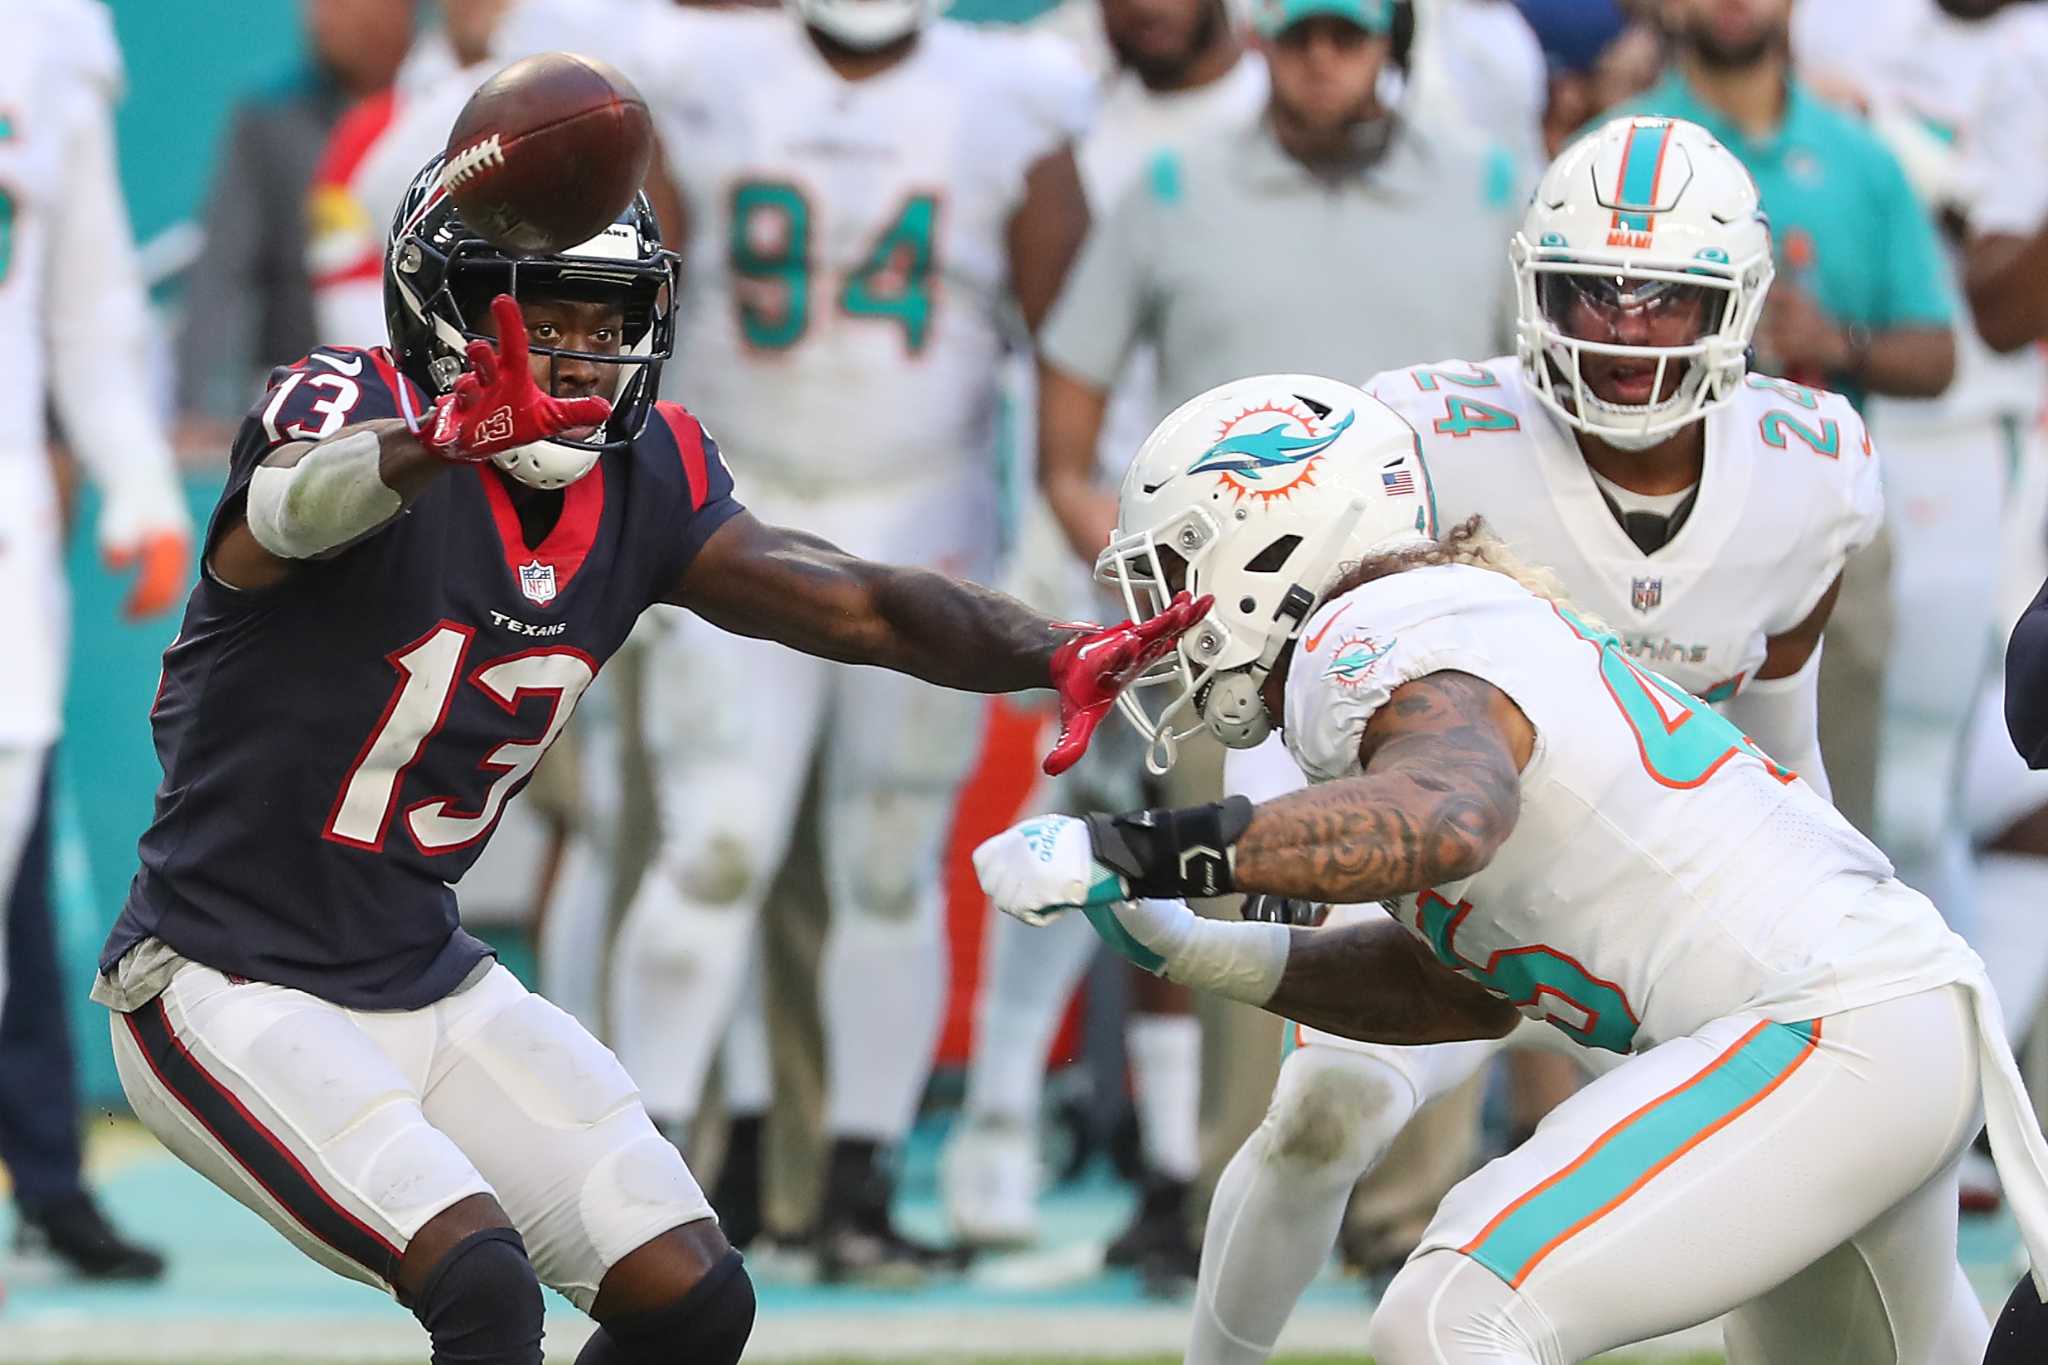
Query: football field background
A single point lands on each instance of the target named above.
(238, 1293)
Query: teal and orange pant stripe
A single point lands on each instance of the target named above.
(1629, 1155)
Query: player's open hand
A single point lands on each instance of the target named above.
(1090, 670)
(495, 405)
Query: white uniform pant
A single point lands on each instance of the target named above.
(734, 729)
(347, 1130)
(1799, 1177)
(1943, 483)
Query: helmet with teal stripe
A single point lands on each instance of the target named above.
(1259, 492)
(1640, 271)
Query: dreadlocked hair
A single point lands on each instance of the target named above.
(1471, 542)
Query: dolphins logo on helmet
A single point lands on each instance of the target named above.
(1272, 461)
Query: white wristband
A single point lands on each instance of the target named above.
(1232, 958)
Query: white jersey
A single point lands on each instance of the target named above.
(75, 330)
(1662, 873)
(1939, 100)
(847, 301)
(1790, 487)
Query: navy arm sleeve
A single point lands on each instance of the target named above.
(2026, 682)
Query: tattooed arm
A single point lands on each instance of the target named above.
(1376, 982)
(1440, 793)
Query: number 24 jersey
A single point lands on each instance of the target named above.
(1790, 488)
(337, 749)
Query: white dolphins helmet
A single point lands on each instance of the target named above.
(1641, 215)
(865, 25)
(1262, 491)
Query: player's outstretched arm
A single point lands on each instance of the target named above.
(799, 590)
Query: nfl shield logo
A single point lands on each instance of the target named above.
(537, 581)
(1644, 593)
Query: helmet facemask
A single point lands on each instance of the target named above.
(1571, 308)
(1264, 593)
(440, 277)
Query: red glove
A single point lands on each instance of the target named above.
(496, 406)
(1089, 671)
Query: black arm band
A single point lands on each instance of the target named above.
(1169, 853)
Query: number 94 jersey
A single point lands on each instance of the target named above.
(849, 297)
(1790, 488)
(1663, 872)
(337, 749)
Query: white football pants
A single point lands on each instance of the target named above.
(348, 1130)
(734, 727)
(1800, 1178)
(1942, 482)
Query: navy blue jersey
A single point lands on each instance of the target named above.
(337, 749)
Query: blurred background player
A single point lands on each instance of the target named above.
(74, 305)
(1625, 447)
(878, 207)
(1924, 76)
(248, 298)
(1286, 244)
(1183, 76)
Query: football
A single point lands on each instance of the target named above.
(547, 152)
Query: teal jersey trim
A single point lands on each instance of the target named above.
(1632, 1153)
(1163, 177)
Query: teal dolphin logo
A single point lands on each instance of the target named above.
(1354, 659)
(1253, 454)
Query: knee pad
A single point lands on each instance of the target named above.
(718, 867)
(883, 849)
(707, 1326)
(1335, 1112)
(481, 1305)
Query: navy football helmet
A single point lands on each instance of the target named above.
(440, 276)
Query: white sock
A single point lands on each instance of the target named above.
(677, 970)
(1028, 976)
(1166, 1073)
(744, 1068)
(2012, 936)
(883, 991)
(1280, 1201)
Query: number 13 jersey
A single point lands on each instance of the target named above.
(1790, 487)
(1662, 872)
(338, 748)
(848, 301)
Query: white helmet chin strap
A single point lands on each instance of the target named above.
(1235, 711)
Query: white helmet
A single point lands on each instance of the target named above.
(1639, 215)
(1265, 490)
(865, 25)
